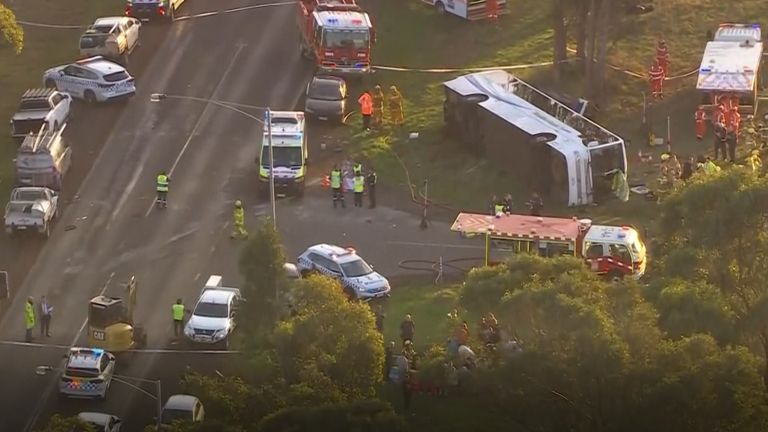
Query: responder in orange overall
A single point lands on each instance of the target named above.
(662, 56)
(656, 78)
(366, 109)
(701, 123)
(492, 8)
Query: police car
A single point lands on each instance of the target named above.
(356, 276)
(87, 374)
(93, 79)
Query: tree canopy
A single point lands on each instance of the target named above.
(11, 31)
(261, 265)
(59, 423)
(363, 416)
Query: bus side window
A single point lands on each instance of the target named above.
(594, 250)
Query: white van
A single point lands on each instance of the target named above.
(290, 153)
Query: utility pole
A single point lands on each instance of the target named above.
(268, 119)
(424, 223)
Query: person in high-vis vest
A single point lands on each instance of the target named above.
(359, 189)
(336, 187)
(357, 169)
(29, 318)
(754, 161)
(178, 311)
(371, 179)
(366, 109)
(498, 208)
(162, 188)
(239, 231)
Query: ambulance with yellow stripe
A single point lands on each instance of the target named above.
(614, 251)
(289, 150)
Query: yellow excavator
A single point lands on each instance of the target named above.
(110, 321)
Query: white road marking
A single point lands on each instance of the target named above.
(52, 386)
(240, 9)
(407, 243)
(200, 120)
(140, 351)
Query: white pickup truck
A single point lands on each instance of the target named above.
(37, 107)
(113, 38)
(213, 319)
(31, 209)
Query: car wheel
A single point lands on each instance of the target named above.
(89, 97)
(51, 84)
(350, 293)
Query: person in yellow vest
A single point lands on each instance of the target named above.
(162, 188)
(395, 102)
(239, 220)
(754, 161)
(29, 318)
(336, 186)
(178, 317)
(359, 189)
(710, 167)
(378, 106)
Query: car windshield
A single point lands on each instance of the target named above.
(28, 195)
(346, 39)
(284, 156)
(325, 90)
(82, 372)
(356, 268)
(116, 76)
(211, 310)
(102, 28)
(171, 415)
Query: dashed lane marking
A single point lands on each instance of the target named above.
(200, 120)
(240, 9)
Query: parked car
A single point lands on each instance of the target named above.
(101, 422)
(94, 79)
(31, 209)
(113, 38)
(147, 10)
(326, 98)
(40, 107)
(182, 407)
(356, 276)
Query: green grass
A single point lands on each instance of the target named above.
(427, 303)
(43, 48)
(410, 34)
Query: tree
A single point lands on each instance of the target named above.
(204, 426)
(368, 416)
(690, 307)
(261, 264)
(560, 28)
(231, 399)
(727, 240)
(58, 423)
(330, 351)
(12, 33)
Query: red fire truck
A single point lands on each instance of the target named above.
(337, 35)
(609, 250)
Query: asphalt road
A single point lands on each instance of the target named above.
(250, 58)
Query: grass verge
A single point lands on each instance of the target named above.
(43, 48)
(411, 34)
(427, 303)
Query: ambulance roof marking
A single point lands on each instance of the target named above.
(610, 234)
(731, 61)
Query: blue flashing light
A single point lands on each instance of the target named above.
(97, 351)
(360, 65)
(706, 69)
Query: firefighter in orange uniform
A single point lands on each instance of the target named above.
(701, 123)
(662, 56)
(656, 78)
(492, 8)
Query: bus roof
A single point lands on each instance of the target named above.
(518, 226)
